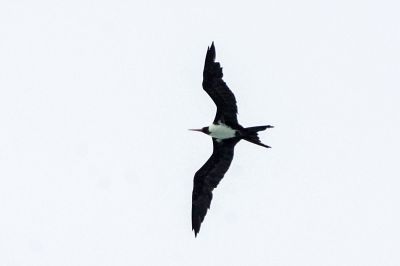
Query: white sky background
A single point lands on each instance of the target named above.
(86, 88)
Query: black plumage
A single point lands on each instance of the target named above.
(207, 178)
(210, 174)
(219, 91)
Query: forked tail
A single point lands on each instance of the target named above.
(250, 134)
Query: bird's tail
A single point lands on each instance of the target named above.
(250, 134)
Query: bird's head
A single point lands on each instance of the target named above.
(204, 130)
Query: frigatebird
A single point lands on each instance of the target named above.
(225, 131)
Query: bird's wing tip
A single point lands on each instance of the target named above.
(212, 47)
(210, 56)
(195, 232)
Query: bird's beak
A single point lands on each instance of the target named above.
(196, 130)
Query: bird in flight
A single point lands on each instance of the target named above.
(225, 131)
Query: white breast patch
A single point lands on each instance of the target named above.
(221, 131)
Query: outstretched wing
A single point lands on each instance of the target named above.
(208, 177)
(219, 91)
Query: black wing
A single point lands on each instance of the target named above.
(219, 91)
(208, 177)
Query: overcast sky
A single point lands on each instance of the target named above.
(97, 165)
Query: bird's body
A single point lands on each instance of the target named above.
(221, 131)
(225, 131)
